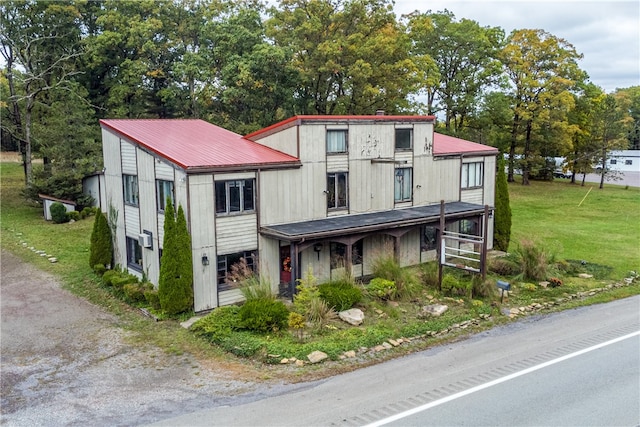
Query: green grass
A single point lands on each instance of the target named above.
(604, 229)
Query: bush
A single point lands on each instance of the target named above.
(151, 295)
(386, 266)
(100, 269)
(101, 249)
(218, 324)
(87, 212)
(449, 283)
(533, 260)
(74, 215)
(58, 213)
(134, 292)
(429, 272)
(109, 276)
(340, 295)
(483, 288)
(382, 288)
(264, 315)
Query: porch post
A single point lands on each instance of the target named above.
(483, 256)
(295, 274)
(441, 245)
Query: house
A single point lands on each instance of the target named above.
(326, 192)
(624, 160)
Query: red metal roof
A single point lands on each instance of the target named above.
(448, 145)
(297, 120)
(196, 144)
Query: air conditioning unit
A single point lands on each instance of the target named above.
(144, 240)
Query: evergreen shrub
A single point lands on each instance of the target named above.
(340, 295)
(74, 215)
(218, 324)
(109, 276)
(101, 249)
(264, 315)
(134, 292)
(151, 295)
(382, 288)
(58, 213)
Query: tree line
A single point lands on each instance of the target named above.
(245, 65)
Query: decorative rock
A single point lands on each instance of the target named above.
(543, 284)
(299, 362)
(434, 309)
(585, 276)
(379, 348)
(187, 323)
(394, 343)
(284, 361)
(316, 356)
(349, 354)
(53, 260)
(386, 345)
(353, 316)
(393, 303)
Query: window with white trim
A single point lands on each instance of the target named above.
(472, 175)
(337, 190)
(130, 183)
(404, 139)
(235, 196)
(164, 190)
(402, 185)
(337, 141)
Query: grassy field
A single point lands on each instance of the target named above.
(601, 228)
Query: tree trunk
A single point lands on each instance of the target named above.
(512, 149)
(604, 164)
(527, 147)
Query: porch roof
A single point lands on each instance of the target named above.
(369, 222)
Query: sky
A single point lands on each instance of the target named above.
(607, 33)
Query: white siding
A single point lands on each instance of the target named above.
(164, 171)
(114, 197)
(132, 221)
(128, 151)
(236, 233)
(230, 297)
(203, 239)
(269, 260)
(472, 196)
(410, 248)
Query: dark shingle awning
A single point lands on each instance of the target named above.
(369, 222)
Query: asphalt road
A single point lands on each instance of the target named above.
(372, 394)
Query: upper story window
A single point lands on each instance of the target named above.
(130, 183)
(403, 185)
(164, 190)
(404, 139)
(337, 141)
(628, 162)
(337, 190)
(472, 175)
(235, 196)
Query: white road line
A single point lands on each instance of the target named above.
(495, 382)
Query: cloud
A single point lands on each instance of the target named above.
(606, 33)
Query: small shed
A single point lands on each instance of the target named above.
(47, 201)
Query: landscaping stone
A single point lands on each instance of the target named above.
(317, 356)
(187, 323)
(53, 259)
(585, 276)
(434, 309)
(350, 354)
(353, 316)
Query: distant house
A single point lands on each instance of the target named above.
(321, 192)
(624, 160)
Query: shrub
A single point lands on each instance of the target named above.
(101, 250)
(307, 289)
(264, 315)
(134, 292)
(502, 221)
(554, 282)
(386, 266)
(109, 276)
(120, 280)
(87, 212)
(382, 288)
(483, 288)
(504, 267)
(533, 260)
(429, 272)
(74, 215)
(218, 324)
(449, 283)
(100, 269)
(320, 313)
(58, 213)
(151, 295)
(340, 295)
(252, 285)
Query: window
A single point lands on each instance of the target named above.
(337, 141)
(225, 262)
(628, 162)
(613, 162)
(429, 238)
(468, 226)
(403, 139)
(164, 190)
(235, 196)
(130, 189)
(403, 185)
(134, 254)
(472, 175)
(337, 190)
(337, 255)
(357, 251)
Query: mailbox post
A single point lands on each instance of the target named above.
(503, 286)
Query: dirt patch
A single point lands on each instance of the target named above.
(67, 362)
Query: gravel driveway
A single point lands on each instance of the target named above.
(65, 361)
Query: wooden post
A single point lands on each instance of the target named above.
(483, 255)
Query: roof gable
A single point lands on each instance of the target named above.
(444, 145)
(194, 144)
